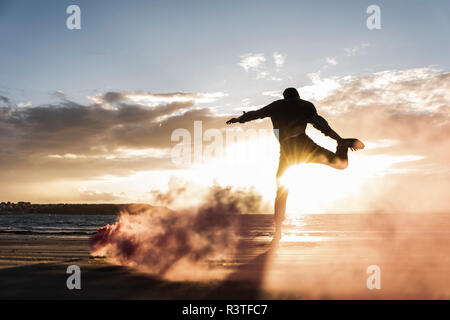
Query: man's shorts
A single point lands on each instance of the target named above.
(302, 149)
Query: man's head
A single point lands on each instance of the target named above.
(290, 93)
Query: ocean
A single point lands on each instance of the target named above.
(62, 227)
(302, 228)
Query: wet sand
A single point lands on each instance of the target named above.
(36, 269)
(302, 269)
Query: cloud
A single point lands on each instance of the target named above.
(256, 62)
(331, 61)
(352, 51)
(251, 61)
(412, 90)
(410, 107)
(279, 59)
(5, 101)
(272, 93)
(67, 140)
(95, 196)
(152, 99)
(262, 75)
(59, 95)
(319, 89)
(24, 104)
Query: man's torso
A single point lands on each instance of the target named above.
(290, 117)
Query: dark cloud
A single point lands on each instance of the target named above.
(5, 101)
(112, 96)
(35, 140)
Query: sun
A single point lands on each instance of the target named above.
(315, 188)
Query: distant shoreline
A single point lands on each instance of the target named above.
(15, 213)
(27, 208)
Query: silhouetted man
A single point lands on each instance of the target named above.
(289, 118)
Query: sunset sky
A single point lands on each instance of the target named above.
(87, 115)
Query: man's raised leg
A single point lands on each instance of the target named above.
(338, 160)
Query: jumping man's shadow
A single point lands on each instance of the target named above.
(247, 281)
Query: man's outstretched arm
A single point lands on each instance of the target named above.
(322, 125)
(252, 115)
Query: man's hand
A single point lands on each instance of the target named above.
(233, 120)
(239, 119)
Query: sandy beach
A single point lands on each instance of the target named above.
(36, 269)
(413, 266)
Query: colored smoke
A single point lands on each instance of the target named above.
(189, 244)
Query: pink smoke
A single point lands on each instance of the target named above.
(188, 245)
